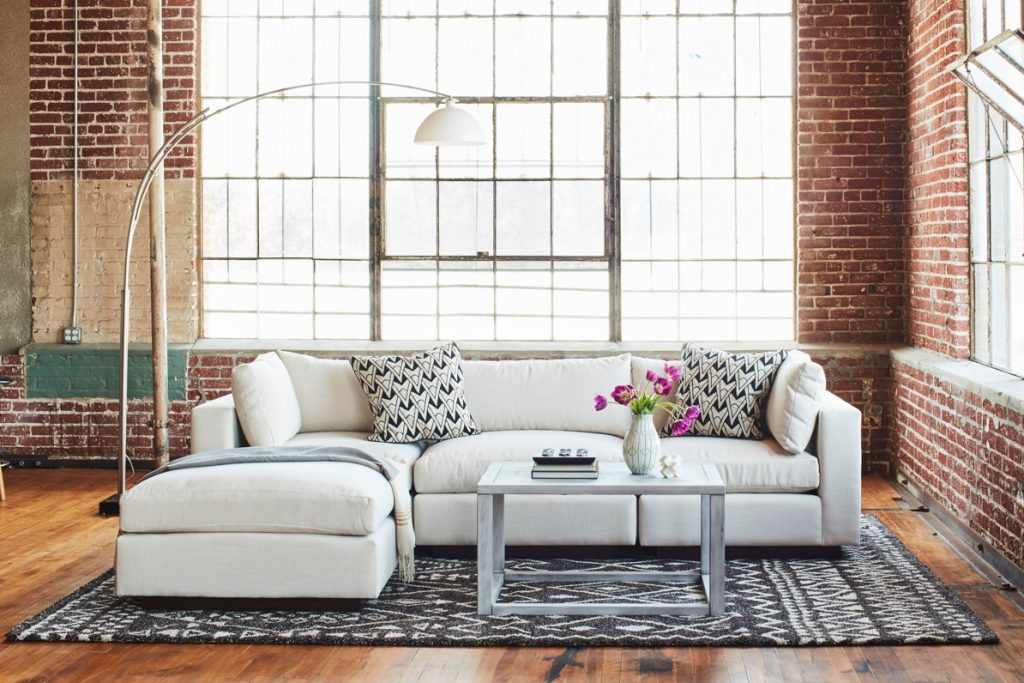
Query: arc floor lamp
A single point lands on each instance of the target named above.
(446, 126)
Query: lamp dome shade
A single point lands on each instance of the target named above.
(450, 126)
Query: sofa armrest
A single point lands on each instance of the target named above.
(839, 466)
(215, 425)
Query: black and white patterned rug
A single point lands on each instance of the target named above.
(878, 593)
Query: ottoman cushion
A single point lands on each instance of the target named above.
(307, 497)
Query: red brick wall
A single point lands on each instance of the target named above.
(851, 114)
(966, 453)
(112, 77)
(938, 315)
(79, 429)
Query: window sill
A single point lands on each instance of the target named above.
(998, 386)
(526, 349)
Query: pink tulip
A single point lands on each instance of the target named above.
(600, 402)
(623, 394)
(673, 373)
(662, 387)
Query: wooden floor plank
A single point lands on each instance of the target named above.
(52, 541)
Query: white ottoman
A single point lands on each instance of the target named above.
(258, 530)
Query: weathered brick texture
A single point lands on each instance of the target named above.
(850, 151)
(966, 453)
(938, 258)
(112, 95)
(103, 216)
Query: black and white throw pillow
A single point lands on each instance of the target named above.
(730, 388)
(416, 398)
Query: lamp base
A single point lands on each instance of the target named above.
(110, 507)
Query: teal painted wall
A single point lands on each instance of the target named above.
(91, 371)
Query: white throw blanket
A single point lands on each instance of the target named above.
(406, 537)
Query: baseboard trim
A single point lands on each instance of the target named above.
(984, 552)
(28, 462)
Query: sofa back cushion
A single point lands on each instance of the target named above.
(265, 401)
(329, 394)
(546, 394)
(795, 401)
(640, 368)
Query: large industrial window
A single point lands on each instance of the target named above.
(637, 183)
(996, 210)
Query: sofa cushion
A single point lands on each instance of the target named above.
(640, 367)
(730, 388)
(305, 497)
(416, 397)
(265, 401)
(546, 394)
(749, 466)
(456, 466)
(795, 400)
(329, 394)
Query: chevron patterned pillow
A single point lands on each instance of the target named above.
(731, 390)
(416, 398)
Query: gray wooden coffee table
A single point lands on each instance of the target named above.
(505, 478)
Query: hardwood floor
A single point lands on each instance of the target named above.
(52, 541)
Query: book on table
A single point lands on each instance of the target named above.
(565, 471)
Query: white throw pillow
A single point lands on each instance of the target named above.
(330, 397)
(265, 401)
(555, 394)
(795, 400)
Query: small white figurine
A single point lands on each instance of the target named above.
(670, 466)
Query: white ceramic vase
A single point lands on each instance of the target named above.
(641, 448)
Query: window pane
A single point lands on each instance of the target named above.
(647, 45)
(579, 140)
(411, 217)
(578, 218)
(523, 140)
(523, 59)
(523, 218)
(580, 57)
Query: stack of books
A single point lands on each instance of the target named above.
(565, 465)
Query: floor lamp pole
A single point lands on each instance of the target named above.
(111, 505)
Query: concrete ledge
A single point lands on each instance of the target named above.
(998, 386)
(526, 349)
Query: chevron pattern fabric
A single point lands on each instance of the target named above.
(876, 593)
(731, 390)
(416, 398)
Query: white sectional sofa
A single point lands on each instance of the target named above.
(775, 498)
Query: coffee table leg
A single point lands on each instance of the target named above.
(705, 533)
(498, 540)
(716, 553)
(484, 552)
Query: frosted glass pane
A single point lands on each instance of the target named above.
(229, 142)
(342, 132)
(285, 137)
(1016, 320)
(298, 217)
(647, 7)
(215, 56)
(706, 138)
(464, 57)
(650, 214)
(579, 140)
(980, 313)
(242, 218)
(409, 301)
(523, 301)
(580, 57)
(647, 45)
(215, 215)
(649, 138)
(271, 218)
(404, 158)
(342, 53)
(285, 55)
(524, 218)
(524, 140)
(778, 219)
(763, 6)
(470, 161)
(578, 218)
(466, 303)
(718, 228)
(466, 218)
(523, 58)
(749, 219)
(407, 51)
(411, 218)
(706, 56)
(763, 139)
